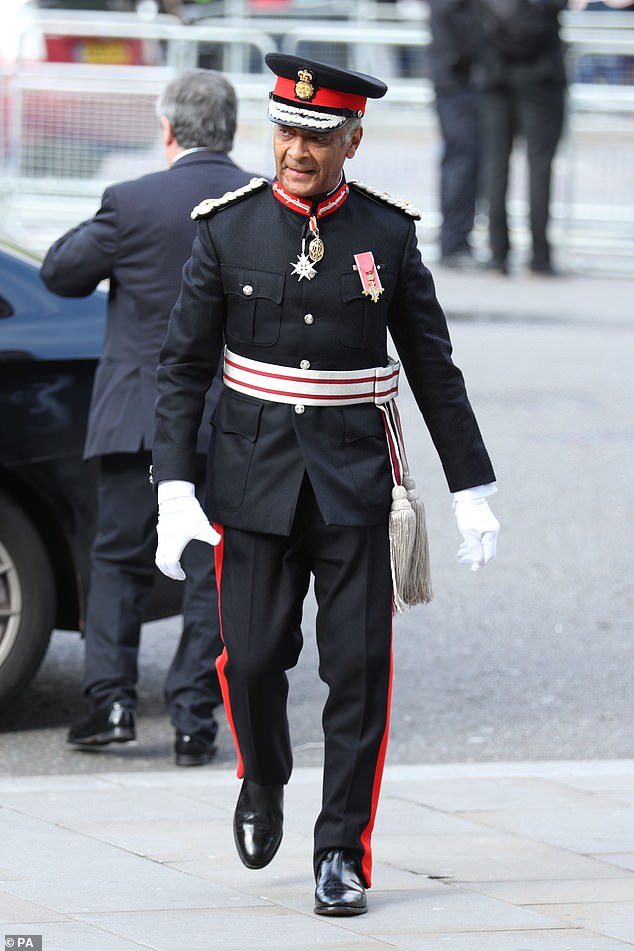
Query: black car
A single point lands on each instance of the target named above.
(49, 347)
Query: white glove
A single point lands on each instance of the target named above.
(477, 524)
(181, 519)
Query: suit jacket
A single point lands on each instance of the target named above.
(139, 239)
(455, 39)
(532, 60)
(238, 284)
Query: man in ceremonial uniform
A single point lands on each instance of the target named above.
(301, 279)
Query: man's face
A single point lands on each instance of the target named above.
(309, 163)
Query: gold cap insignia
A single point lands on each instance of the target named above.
(304, 88)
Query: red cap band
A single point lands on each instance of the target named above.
(329, 98)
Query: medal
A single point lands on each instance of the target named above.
(303, 267)
(316, 247)
(369, 275)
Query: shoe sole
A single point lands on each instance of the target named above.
(190, 759)
(103, 739)
(339, 911)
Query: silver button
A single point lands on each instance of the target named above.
(299, 408)
(247, 290)
(304, 365)
(308, 318)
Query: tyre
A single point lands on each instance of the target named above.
(27, 600)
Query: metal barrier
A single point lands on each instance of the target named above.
(68, 129)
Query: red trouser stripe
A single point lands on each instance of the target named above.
(221, 661)
(366, 835)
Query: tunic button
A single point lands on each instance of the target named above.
(247, 290)
(308, 318)
(304, 365)
(299, 408)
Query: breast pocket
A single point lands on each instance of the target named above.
(362, 321)
(254, 305)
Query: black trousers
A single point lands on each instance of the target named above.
(536, 113)
(122, 575)
(263, 580)
(459, 117)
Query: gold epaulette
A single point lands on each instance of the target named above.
(209, 205)
(386, 199)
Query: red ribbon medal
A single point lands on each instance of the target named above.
(368, 272)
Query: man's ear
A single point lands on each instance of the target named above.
(168, 135)
(354, 142)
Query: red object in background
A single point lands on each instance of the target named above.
(85, 49)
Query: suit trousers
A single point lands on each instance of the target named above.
(537, 113)
(122, 576)
(263, 580)
(459, 117)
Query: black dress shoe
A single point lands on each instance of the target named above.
(258, 823)
(543, 269)
(460, 260)
(192, 750)
(339, 890)
(497, 266)
(111, 724)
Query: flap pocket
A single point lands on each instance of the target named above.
(251, 285)
(238, 417)
(364, 422)
(351, 287)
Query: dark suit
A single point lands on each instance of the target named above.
(455, 37)
(139, 240)
(523, 90)
(308, 490)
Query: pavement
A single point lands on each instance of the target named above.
(490, 856)
(468, 857)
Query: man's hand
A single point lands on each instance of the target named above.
(181, 520)
(478, 526)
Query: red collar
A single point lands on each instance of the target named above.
(305, 206)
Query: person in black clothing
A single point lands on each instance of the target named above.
(139, 239)
(453, 49)
(522, 76)
(301, 280)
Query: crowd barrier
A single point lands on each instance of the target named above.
(69, 128)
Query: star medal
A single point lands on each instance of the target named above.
(369, 274)
(303, 266)
(316, 246)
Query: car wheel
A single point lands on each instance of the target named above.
(27, 600)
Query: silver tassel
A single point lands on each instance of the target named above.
(402, 532)
(418, 589)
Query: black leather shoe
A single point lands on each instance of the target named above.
(111, 724)
(339, 889)
(258, 823)
(460, 260)
(192, 750)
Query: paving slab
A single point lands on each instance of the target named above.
(468, 857)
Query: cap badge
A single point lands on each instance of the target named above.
(304, 88)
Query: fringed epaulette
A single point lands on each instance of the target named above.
(210, 205)
(384, 198)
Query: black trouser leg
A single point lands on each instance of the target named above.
(459, 118)
(263, 580)
(122, 574)
(353, 587)
(499, 132)
(542, 117)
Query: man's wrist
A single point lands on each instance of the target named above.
(475, 492)
(175, 489)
